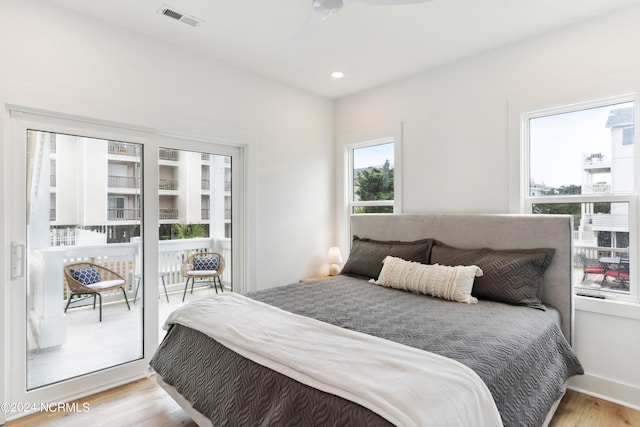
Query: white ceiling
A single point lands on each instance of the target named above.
(372, 45)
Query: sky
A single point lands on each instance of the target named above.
(558, 143)
(374, 155)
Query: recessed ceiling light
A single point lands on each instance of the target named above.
(337, 74)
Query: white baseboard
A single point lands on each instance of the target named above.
(607, 389)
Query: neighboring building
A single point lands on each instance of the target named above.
(95, 190)
(613, 173)
(538, 188)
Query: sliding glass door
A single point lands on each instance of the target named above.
(101, 220)
(78, 251)
(196, 215)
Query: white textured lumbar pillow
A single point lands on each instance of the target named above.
(442, 281)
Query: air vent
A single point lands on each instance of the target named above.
(172, 13)
(179, 16)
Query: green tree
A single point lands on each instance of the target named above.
(564, 190)
(375, 183)
(569, 189)
(188, 231)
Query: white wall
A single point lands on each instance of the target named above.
(61, 62)
(461, 152)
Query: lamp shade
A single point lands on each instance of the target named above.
(335, 257)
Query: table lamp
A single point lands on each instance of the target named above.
(335, 258)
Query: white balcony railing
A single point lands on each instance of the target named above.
(596, 188)
(168, 154)
(123, 149)
(599, 160)
(168, 184)
(614, 222)
(119, 181)
(597, 252)
(172, 252)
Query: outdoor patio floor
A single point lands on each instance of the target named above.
(93, 345)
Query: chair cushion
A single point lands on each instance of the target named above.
(106, 284)
(617, 274)
(594, 270)
(86, 276)
(202, 273)
(206, 263)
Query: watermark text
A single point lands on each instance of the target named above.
(22, 407)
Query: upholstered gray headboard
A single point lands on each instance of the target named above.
(491, 231)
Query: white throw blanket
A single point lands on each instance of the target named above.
(406, 386)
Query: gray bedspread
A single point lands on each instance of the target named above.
(519, 352)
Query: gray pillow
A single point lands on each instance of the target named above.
(365, 258)
(513, 276)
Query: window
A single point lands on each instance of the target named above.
(581, 160)
(627, 135)
(372, 184)
(116, 208)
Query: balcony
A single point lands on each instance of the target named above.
(592, 284)
(609, 222)
(599, 162)
(115, 181)
(169, 213)
(75, 358)
(122, 149)
(599, 188)
(121, 214)
(168, 184)
(67, 337)
(167, 154)
(124, 258)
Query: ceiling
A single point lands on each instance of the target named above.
(372, 45)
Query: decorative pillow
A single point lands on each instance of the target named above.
(365, 258)
(205, 263)
(513, 276)
(86, 276)
(441, 281)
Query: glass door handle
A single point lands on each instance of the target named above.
(17, 260)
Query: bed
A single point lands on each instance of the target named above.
(419, 359)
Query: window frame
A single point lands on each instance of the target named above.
(350, 203)
(527, 201)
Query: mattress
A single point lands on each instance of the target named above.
(520, 353)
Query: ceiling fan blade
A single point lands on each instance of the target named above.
(388, 2)
(308, 30)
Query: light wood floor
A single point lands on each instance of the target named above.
(144, 403)
(581, 410)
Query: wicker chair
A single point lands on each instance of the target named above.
(203, 265)
(87, 278)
